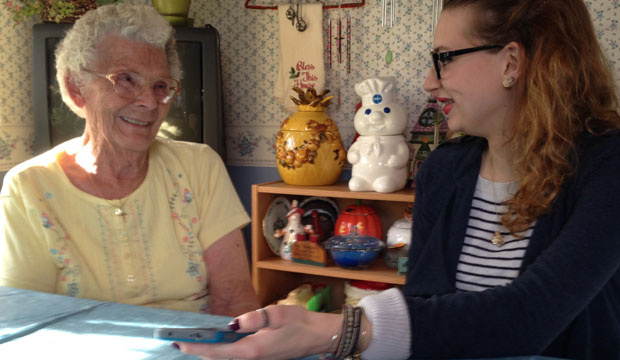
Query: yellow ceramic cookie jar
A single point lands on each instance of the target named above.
(308, 146)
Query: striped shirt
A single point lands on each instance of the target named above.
(483, 265)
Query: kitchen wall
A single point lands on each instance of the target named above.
(249, 41)
(251, 37)
(249, 47)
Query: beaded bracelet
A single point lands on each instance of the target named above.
(351, 324)
(355, 333)
(357, 322)
(347, 331)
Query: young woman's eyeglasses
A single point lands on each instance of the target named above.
(441, 59)
(129, 85)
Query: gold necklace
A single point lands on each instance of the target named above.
(118, 204)
(498, 238)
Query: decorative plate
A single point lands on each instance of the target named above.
(275, 219)
(327, 210)
(323, 204)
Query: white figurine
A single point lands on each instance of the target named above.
(380, 154)
(292, 229)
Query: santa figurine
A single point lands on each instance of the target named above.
(293, 229)
(380, 154)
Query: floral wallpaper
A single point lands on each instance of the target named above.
(16, 122)
(249, 57)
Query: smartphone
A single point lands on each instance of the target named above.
(199, 335)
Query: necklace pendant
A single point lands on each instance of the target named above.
(497, 239)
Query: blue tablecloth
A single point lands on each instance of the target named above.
(35, 325)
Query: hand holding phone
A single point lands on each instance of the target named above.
(198, 335)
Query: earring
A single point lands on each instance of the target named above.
(507, 83)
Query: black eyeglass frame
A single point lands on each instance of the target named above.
(447, 55)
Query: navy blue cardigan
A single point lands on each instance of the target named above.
(565, 302)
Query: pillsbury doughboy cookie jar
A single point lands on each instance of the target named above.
(380, 154)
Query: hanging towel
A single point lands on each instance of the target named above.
(301, 54)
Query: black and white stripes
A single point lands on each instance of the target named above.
(483, 265)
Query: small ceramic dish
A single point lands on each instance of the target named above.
(354, 251)
(399, 233)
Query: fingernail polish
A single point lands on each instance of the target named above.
(234, 325)
(176, 346)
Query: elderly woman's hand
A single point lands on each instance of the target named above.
(292, 332)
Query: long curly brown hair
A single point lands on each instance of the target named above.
(567, 89)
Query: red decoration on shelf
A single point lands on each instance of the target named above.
(362, 216)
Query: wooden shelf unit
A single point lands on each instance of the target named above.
(274, 277)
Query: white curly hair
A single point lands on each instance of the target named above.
(139, 23)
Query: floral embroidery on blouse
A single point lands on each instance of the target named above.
(182, 215)
(187, 197)
(70, 273)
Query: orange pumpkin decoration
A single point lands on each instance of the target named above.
(362, 216)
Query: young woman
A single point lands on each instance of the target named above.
(516, 237)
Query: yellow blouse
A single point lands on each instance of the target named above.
(144, 249)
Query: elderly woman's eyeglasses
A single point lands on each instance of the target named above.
(443, 58)
(129, 85)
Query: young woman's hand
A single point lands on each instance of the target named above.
(292, 332)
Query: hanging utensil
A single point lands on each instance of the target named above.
(388, 21)
(383, 12)
(392, 7)
(329, 43)
(301, 23)
(290, 12)
(388, 6)
(339, 39)
(348, 44)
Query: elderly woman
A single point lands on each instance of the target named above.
(118, 214)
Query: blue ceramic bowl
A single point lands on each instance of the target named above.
(354, 251)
